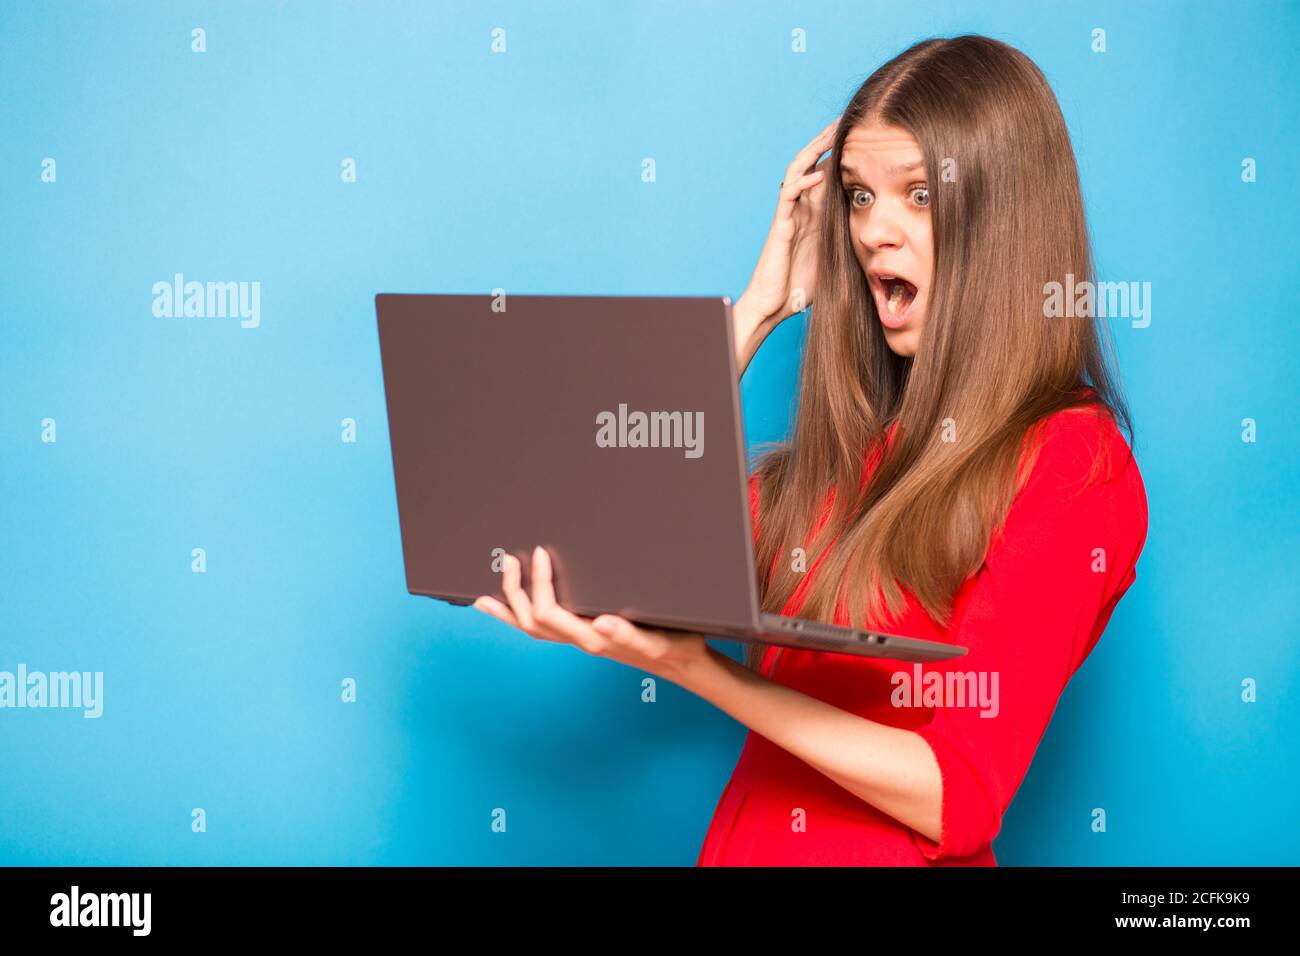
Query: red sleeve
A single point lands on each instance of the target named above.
(1031, 616)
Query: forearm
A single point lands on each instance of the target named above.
(892, 769)
(750, 328)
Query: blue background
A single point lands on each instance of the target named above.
(523, 171)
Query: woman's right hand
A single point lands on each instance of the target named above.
(783, 280)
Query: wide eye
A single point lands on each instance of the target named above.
(867, 197)
(921, 195)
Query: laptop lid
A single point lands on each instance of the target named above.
(606, 428)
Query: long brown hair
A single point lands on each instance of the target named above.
(1007, 220)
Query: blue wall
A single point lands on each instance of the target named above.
(522, 170)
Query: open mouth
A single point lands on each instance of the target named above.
(894, 298)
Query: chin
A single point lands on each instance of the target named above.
(902, 342)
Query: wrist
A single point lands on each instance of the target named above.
(696, 673)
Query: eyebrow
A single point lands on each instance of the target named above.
(892, 170)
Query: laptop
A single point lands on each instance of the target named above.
(607, 429)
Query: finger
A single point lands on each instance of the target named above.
(815, 192)
(490, 605)
(545, 608)
(795, 188)
(560, 620)
(818, 144)
(515, 596)
(493, 607)
(810, 153)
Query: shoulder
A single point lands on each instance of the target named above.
(1077, 448)
(1080, 477)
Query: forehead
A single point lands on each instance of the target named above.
(876, 148)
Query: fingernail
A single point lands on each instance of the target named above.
(537, 553)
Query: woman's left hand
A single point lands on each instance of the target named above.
(668, 654)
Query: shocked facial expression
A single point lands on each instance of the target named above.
(883, 173)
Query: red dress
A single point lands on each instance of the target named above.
(1032, 614)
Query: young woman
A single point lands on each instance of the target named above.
(956, 473)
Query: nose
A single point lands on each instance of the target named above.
(881, 231)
